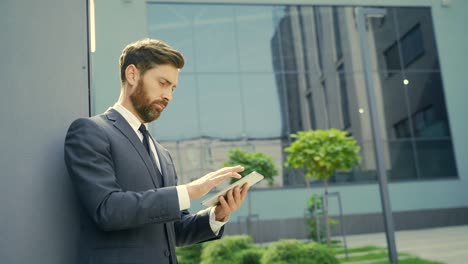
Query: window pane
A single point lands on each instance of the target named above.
(174, 24)
(221, 113)
(214, 39)
(255, 28)
(427, 105)
(416, 33)
(261, 106)
(437, 158)
(180, 120)
(384, 43)
(431, 125)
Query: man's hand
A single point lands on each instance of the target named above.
(229, 204)
(203, 185)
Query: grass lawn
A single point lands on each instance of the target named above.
(375, 255)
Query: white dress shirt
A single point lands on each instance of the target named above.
(182, 193)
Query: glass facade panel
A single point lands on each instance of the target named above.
(430, 125)
(177, 28)
(220, 106)
(215, 39)
(402, 164)
(181, 118)
(260, 102)
(437, 157)
(254, 30)
(427, 105)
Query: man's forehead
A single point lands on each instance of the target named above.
(168, 72)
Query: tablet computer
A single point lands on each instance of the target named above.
(251, 179)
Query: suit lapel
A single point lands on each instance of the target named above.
(121, 124)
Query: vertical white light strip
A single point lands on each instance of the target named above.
(92, 27)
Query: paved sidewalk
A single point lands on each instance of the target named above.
(447, 244)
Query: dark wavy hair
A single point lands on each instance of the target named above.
(147, 53)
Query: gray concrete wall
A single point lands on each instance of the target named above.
(44, 86)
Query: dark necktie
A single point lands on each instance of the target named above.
(145, 133)
(146, 140)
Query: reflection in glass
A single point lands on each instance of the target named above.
(416, 34)
(337, 32)
(257, 73)
(430, 125)
(427, 105)
(344, 97)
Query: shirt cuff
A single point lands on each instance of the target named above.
(215, 225)
(184, 199)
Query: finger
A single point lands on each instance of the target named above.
(245, 189)
(224, 205)
(237, 168)
(237, 196)
(230, 200)
(234, 203)
(218, 179)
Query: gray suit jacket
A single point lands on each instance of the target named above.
(130, 215)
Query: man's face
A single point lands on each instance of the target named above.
(154, 91)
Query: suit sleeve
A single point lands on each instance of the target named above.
(90, 165)
(193, 228)
(200, 222)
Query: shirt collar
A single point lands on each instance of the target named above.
(129, 116)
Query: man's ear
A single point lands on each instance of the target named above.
(132, 74)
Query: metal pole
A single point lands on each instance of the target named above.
(249, 225)
(341, 224)
(361, 16)
(317, 219)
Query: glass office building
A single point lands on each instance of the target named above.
(256, 73)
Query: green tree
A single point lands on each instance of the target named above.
(321, 153)
(256, 161)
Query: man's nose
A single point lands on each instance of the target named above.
(168, 95)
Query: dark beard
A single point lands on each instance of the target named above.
(147, 110)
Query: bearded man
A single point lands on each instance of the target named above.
(134, 211)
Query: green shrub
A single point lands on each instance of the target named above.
(250, 256)
(189, 254)
(293, 251)
(227, 250)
